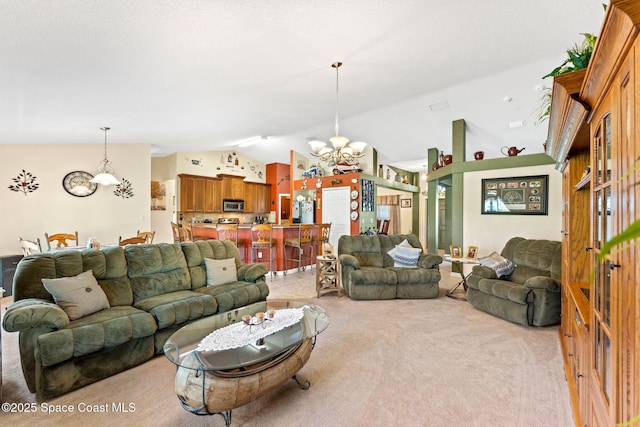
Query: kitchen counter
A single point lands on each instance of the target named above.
(280, 233)
(244, 225)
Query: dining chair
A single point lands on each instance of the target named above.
(298, 247)
(148, 235)
(261, 241)
(29, 246)
(230, 232)
(136, 240)
(384, 227)
(63, 239)
(175, 229)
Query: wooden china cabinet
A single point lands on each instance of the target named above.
(593, 123)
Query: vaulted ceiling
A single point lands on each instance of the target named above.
(207, 75)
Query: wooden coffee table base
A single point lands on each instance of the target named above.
(218, 392)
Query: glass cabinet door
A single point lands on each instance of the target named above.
(602, 232)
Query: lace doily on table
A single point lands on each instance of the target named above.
(240, 334)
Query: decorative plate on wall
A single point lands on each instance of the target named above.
(77, 184)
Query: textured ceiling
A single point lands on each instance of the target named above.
(205, 75)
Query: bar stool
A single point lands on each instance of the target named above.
(261, 240)
(194, 232)
(324, 230)
(304, 239)
(185, 233)
(177, 235)
(230, 232)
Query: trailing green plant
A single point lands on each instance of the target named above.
(632, 421)
(544, 109)
(578, 58)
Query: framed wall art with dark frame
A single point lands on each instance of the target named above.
(521, 195)
(405, 203)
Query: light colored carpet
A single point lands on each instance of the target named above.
(437, 362)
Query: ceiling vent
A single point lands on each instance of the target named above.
(439, 106)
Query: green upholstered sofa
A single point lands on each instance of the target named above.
(368, 271)
(530, 295)
(152, 290)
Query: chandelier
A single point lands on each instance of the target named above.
(105, 171)
(343, 152)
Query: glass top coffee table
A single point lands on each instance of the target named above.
(223, 362)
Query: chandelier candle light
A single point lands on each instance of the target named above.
(343, 153)
(105, 171)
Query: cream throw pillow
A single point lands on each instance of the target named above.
(404, 255)
(79, 295)
(501, 265)
(405, 244)
(220, 271)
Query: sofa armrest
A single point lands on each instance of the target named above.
(252, 272)
(34, 313)
(347, 260)
(429, 261)
(542, 282)
(484, 272)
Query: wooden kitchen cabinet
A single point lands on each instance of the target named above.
(187, 193)
(263, 198)
(209, 198)
(216, 195)
(200, 194)
(257, 197)
(250, 191)
(232, 187)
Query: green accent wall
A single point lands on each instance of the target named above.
(456, 198)
(452, 178)
(432, 205)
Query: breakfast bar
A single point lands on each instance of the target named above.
(280, 233)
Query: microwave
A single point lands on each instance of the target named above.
(229, 205)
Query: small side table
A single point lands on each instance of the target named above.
(457, 266)
(327, 274)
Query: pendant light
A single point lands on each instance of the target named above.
(105, 171)
(343, 153)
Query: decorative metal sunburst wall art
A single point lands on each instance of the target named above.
(24, 182)
(124, 189)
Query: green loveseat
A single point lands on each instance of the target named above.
(152, 290)
(530, 295)
(368, 270)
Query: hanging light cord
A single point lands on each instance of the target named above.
(105, 129)
(337, 65)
